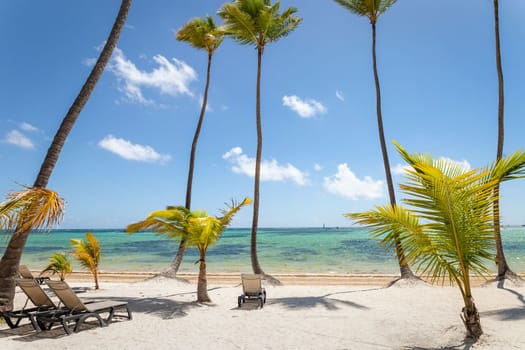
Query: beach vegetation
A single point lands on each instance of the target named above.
(88, 252)
(59, 263)
(446, 229)
(36, 210)
(202, 34)
(373, 9)
(257, 23)
(200, 230)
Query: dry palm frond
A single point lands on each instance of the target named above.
(30, 209)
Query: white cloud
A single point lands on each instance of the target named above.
(305, 109)
(317, 167)
(27, 127)
(400, 169)
(270, 170)
(15, 137)
(339, 95)
(346, 184)
(130, 151)
(89, 62)
(169, 77)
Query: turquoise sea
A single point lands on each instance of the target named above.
(281, 250)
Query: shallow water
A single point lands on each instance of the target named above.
(280, 250)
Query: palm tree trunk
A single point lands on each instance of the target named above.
(11, 258)
(503, 268)
(405, 270)
(196, 136)
(470, 317)
(177, 261)
(202, 284)
(95, 277)
(253, 244)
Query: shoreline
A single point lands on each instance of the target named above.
(285, 279)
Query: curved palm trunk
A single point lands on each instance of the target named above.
(501, 261)
(202, 284)
(11, 258)
(405, 270)
(95, 277)
(175, 264)
(253, 244)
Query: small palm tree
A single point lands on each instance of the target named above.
(448, 232)
(88, 253)
(202, 34)
(257, 23)
(60, 264)
(39, 207)
(200, 230)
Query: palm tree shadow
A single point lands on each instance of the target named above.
(467, 344)
(510, 314)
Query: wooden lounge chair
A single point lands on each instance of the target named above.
(252, 289)
(24, 272)
(42, 304)
(78, 311)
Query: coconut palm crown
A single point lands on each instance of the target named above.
(448, 230)
(367, 8)
(197, 227)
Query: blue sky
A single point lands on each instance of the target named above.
(128, 152)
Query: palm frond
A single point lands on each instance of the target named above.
(201, 33)
(31, 209)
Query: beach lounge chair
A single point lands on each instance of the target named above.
(24, 272)
(40, 300)
(252, 289)
(78, 311)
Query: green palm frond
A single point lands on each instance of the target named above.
(200, 229)
(31, 209)
(60, 264)
(201, 33)
(257, 22)
(456, 207)
(367, 8)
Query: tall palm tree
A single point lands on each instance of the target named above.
(200, 229)
(448, 231)
(373, 9)
(202, 34)
(37, 206)
(503, 267)
(88, 253)
(257, 23)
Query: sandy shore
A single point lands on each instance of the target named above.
(307, 312)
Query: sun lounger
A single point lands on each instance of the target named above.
(78, 311)
(252, 289)
(24, 272)
(40, 300)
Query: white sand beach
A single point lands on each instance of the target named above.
(315, 315)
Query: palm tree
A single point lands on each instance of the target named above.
(88, 253)
(38, 207)
(202, 34)
(258, 23)
(59, 263)
(373, 9)
(200, 230)
(448, 232)
(503, 267)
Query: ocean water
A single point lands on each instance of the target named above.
(280, 250)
